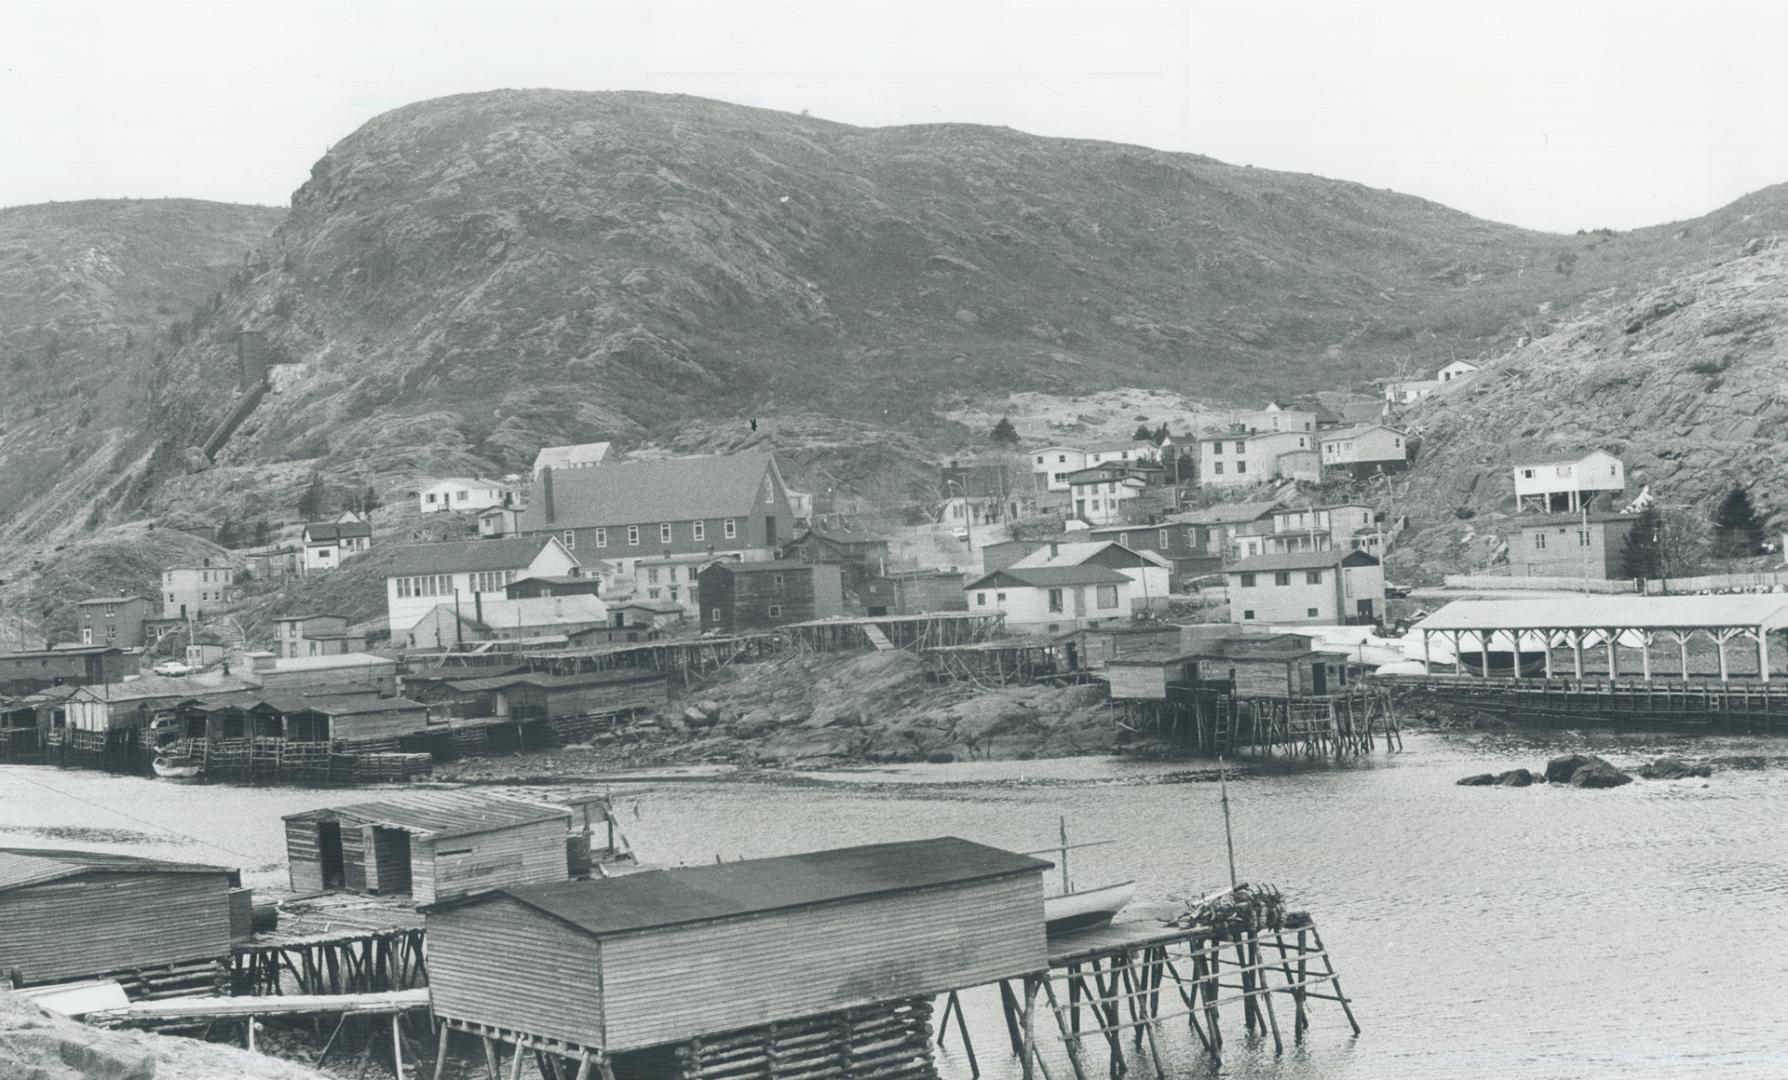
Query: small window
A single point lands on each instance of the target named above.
(601, 538)
(980, 599)
(1248, 614)
(698, 530)
(1241, 467)
(1282, 577)
(779, 580)
(1310, 613)
(570, 540)
(1161, 541)
(1313, 577)
(1217, 447)
(633, 535)
(775, 611)
(1217, 466)
(713, 614)
(729, 528)
(1247, 581)
(1582, 537)
(1539, 541)
(664, 533)
(1241, 447)
(1055, 600)
(1107, 596)
(1000, 597)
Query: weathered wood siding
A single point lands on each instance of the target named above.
(617, 696)
(353, 856)
(389, 724)
(305, 856)
(1137, 682)
(103, 922)
(672, 984)
(501, 963)
(514, 856)
(388, 873)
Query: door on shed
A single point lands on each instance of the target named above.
(391, 854)
(329, 854)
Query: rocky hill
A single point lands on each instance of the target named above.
(1687, 382)
(90, 294)
(466, 278)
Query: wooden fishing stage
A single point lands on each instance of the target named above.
(689, 660)
(923, 631)
(334, 944)
(1111, 986)
(1209, 721)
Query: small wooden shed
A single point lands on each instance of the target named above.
(80, 914)
(666, 956)
(428, 845)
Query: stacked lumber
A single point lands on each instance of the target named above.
(179, 979)
(383, 768)
(879, 1042)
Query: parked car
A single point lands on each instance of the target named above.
(173, 668)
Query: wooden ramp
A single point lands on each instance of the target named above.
(878, 639)
(203, 1009)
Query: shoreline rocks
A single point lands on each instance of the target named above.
(1671, 767)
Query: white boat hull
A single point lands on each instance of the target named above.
(169, 769)
(1091, 907)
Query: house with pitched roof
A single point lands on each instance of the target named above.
(114, 620)
(327, 543)
(450, 625)
(1564, 481)
(1149, 573)
(1365, 450)
(1237, 457)
(1227, 530)
(423, 576)
(1332, 587)
(737, 597)
(579, 456)
(860, 555)
(724, 506)
(1054, 598)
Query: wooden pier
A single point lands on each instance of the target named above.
(334, 944)
(1209, 721)
(882, 632)
(1741, 705)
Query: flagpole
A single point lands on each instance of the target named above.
(1228, 837)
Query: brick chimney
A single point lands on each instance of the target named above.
(546, 494)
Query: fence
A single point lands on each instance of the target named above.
(1498, 583)
(1762, 579)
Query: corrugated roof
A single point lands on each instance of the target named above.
(661, 898)
(555, 457)
(1051, 577)
(1227, 513)
(440, 813)
(642, 492)
(324, 531)
(510, 553)
(20, 867)
(1300, 560)
(1592, 612)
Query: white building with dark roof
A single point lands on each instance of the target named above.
(1328, 587)
(579, 456)
(425, 575)
(456, 493)
(1054, 598)
(1558, 480)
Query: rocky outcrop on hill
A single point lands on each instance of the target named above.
(39, 1045)
(1683, 382)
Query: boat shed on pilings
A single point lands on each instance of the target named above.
(1611, 623)
(675, 963)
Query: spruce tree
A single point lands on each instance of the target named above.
(1004, 434)
(1142, 433)
(1737, 530)
(1643, 551)
(311, 504)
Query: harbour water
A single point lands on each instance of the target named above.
(1546, 932)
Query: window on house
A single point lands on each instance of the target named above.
(1313, 577)
(633, 535)
(1248, 614)
(664, 533)
(1582, 537)
(1061, 457)
(1055, 599)
(1282, 577)
(698, 530)
(1310, 613)
(1216, 448)
(570, 540)
(729, 528)
(1539, 541)
(459, 496)
(651, 594)
(652, 575)
(999, 597)
(673, 573)
(980, 599)
(1161, 540)
(601, 538)
(1107, 596)
(1241, 466)
(1218, 467)
(775, 611)
(1240, 446)
(1247, 581)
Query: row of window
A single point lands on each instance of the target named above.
(425, 585)
(1539, 539)
(1105, 598)
(1283, 577)
(1248, 614)
(1240, 467)
(698, 532)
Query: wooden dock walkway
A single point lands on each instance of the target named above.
(1745, 705)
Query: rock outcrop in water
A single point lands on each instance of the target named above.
(1670, 767)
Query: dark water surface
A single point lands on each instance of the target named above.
(1545, 932)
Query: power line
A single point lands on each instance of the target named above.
(137, 820)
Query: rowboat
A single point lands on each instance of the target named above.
(1087, 907)
(176, 768)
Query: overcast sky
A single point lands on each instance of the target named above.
(1556, 114)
